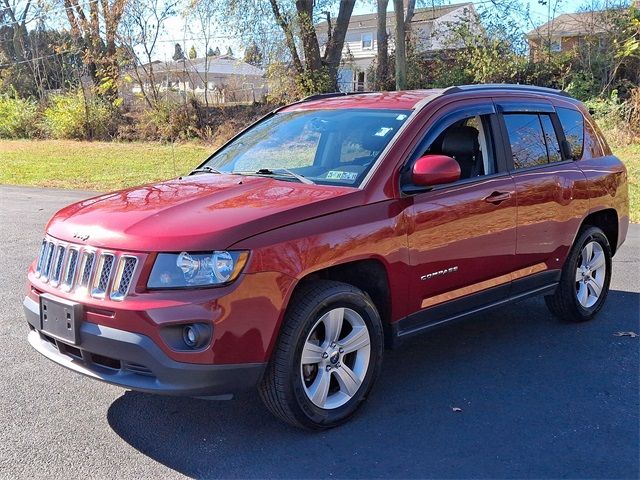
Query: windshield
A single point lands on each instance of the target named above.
(328, 147)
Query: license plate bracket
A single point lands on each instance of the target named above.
(60, 318)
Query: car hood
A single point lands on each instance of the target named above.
(201, 212)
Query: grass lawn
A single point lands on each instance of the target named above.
(110, 166)
(94, 165)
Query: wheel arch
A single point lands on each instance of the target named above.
(606, 220)
(369, 275)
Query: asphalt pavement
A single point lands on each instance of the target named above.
(537, 398)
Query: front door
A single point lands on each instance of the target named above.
(462, 236)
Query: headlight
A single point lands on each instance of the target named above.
(179, 270)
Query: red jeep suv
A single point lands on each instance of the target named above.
(327, 230)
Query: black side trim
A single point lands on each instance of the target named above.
(424, 320)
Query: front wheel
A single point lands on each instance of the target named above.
(584, 283)
(327, 357)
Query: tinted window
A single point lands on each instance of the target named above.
(552, 140)
(528, 145)
(573, 126)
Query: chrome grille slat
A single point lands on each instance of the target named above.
(124, 276)
(85, 270)
(47, 261)
(69, 275)
(39, 264)
(88, 259)
(103, 275)
(58, 263)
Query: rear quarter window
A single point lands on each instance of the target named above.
(573, 125)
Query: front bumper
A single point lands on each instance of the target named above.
(134, 361)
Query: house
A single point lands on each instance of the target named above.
(432, 29)
(214, 80)
(571, 31)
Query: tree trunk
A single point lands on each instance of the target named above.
(312, 60)
(333, 51)
(382, 39)
(401, 54)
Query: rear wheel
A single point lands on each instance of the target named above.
(584, 283)
(328, 355)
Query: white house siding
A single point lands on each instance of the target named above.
(431, 35)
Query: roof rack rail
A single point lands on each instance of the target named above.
(503, 86)
(320, 96)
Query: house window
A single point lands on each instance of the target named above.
(555, 45)
(367, 41)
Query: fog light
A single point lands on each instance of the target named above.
(194, 336)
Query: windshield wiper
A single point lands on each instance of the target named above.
(206, 169)
(280, 171)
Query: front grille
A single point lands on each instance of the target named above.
(137, 368)
(75, 268)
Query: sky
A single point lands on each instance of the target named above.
(175, 27)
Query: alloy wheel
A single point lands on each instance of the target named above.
(335, 358)
(590, 274)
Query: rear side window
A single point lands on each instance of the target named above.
(552, 140)
(526, 136)
(573, 125)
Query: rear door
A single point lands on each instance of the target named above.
(548, 189)
(462, 235)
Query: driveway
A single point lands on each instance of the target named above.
(538, 398)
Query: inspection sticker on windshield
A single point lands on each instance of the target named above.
(338, 175)
(383, 131)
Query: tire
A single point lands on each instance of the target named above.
(577, 298)
(295, 392)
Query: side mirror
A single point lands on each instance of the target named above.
(431, 170)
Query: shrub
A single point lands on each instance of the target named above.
(170, 121)
(619, 119)
(18, 117)
(73, 116)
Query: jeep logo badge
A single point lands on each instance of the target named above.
(81, 236)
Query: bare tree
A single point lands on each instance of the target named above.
(94, 25)
(401, 52)
(315, 69)
(142, 24)
(203, 14)
(382, 44)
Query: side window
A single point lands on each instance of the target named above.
(526, 136)
(469, 142)
(553, 146)
(573, 126)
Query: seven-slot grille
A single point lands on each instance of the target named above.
(74, 268)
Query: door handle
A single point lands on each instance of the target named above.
(497, 197)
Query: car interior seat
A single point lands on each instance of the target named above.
(461, 143)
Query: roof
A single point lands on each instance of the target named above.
(370, 20)
(406, 100)
(218, 65)
(576, 24)
(410, 99)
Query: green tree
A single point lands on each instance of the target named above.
(192, 52)
(178, 54)
(253, 55)
(229, 51)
